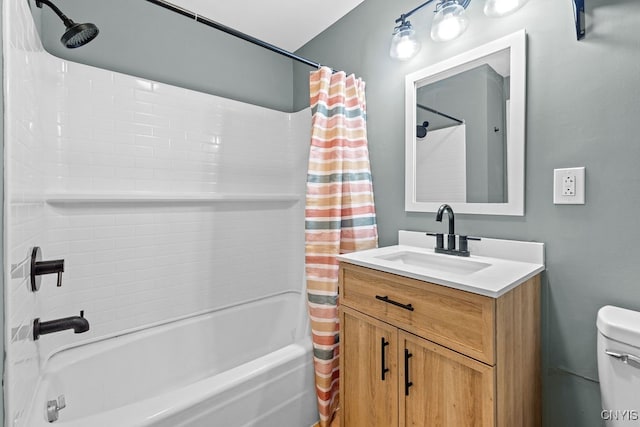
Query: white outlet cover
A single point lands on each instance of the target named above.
(559, 175)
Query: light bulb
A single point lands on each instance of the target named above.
(450, 21)
(497, 8)
(404, 44)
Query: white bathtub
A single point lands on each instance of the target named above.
(247, 365)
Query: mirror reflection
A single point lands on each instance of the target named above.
(462, 132)
(465, 131)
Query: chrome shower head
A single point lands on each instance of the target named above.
(77, 34)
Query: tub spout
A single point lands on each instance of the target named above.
(78, 323)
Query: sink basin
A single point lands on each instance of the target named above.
(444, 264)
(494, 267)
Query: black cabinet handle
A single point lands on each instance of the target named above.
(396, 303)
(407, 383)
(383, 366)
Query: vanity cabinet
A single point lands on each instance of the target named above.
(415, 353)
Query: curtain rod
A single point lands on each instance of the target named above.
(203, 20)
(424, 107)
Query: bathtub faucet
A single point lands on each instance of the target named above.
(78, 323)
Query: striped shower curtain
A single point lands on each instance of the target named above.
(340, 214)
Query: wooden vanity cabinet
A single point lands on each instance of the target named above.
(419, 354)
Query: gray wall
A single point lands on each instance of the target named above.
(145, 40)
(583, 104)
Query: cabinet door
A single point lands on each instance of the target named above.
(440, 387)
(368, 371)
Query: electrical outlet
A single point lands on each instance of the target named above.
(569, 186)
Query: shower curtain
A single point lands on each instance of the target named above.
(339, 216)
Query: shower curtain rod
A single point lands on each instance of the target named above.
(218, 26)
(424, 107)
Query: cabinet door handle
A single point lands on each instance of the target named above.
(407, 383)
(384, 368)
(396, 303)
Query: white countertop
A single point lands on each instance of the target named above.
(502, 264)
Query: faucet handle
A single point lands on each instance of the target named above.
(463, 242)
(439, 239)
(39, 268)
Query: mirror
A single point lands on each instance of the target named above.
(465, 131)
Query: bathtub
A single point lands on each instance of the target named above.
(246, 365)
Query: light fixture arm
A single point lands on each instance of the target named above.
(404, 16)
(401, 20)
(448, 23)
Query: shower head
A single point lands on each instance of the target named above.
(77, 34)
(421, 130)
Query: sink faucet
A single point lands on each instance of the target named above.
(451, 236)
(78, 323)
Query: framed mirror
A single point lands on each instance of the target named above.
(465, 131)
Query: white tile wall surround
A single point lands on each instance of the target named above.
(164, 202)
(25, 212)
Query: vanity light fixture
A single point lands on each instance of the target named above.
(499, 8)
(449, 22)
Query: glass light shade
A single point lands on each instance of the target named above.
(450, 21)
(404, 44)
(497, 8)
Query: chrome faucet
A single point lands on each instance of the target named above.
(78, 323)
(451, 249)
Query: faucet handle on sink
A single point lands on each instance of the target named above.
(439, 239)
(463, 242)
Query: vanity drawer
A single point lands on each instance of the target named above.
(459, 320)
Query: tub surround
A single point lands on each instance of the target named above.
(162, 201)
(157, 197)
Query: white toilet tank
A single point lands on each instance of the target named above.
(619, 365)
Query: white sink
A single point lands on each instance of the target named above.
(436, 262)
(494, 267)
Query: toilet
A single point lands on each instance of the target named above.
(619, 365)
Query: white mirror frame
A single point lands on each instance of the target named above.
(516, 42)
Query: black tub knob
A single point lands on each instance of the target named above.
(39, 267)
